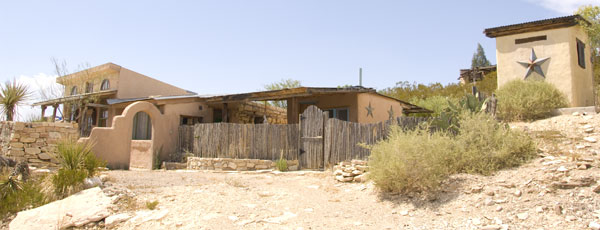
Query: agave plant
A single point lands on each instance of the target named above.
(12, 94)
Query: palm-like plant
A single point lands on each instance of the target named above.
(12, 94)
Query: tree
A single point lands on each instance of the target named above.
(479, 59)
(12, 94)
(592, 26)
(283, 84)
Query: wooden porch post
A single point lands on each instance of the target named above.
(54, 108)
(43, 111)
(225, 116)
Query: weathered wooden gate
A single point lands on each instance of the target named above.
(311, 138)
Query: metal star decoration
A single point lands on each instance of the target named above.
(391, 112)
(533, 65)
(369, 110)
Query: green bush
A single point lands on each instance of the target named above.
(411, 160)
(151, 205)
(281, 164)
(528, 100)
(68, 181)
(17, 195)
(485, 145)
(419, 160)
(77, 162)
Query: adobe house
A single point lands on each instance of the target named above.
(99, 98)
(355, 104)
(553, 50)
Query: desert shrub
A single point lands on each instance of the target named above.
(528, 100)
(77, 162)
(484, 145)
(281, 164)
(437, 104)
(75, 155)
(151, 205)
(419, 160)
(18, 195)
(411, 160)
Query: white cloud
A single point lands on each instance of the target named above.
(566, 7)
(36, 84)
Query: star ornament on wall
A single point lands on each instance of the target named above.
(369, 110)
(533, 65)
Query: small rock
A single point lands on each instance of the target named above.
(489, 202)
(562, 169)
(361, 177)
(344, 179)
(476, 189)
(337, 172)
(570, 218)
(589, 130)
(404, 213)
(92, 182)
(597, 189)
(491, 227)
(517, 193)
(558, 210)
(499, 208)
(539, 209)
(590, 139)
(523, 216)
(576, 114)
(593, 225)
(115, 219)
(490, 193)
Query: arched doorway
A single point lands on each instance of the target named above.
(142, 154)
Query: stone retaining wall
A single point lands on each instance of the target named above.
(34, 141)
(229, 164)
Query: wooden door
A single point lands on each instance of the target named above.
(311, 138)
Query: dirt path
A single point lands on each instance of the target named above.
(552, 192)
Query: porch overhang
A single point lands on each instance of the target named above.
(74, 98)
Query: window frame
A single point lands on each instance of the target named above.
(89, 87)
(580, 53)
(105, 85)
(74, 90)
(333, 113)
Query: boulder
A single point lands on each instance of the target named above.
(87, 206)
(115, 219)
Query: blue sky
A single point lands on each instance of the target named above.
(214, 47)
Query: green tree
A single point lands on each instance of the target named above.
(12, 94)
(283, 84)
(479, 58)
(592, 27)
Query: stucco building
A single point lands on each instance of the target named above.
(133, 118)
(554, 50)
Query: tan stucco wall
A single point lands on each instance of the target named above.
(135, 85)
(381, 105)
(561, 47)
(141, 155)
(113, 144)
(324, 102)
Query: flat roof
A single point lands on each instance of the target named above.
(74, 97)
(545, 24)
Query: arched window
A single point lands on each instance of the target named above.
(74, 90)
(105, 85)
(142, 127)
(89, 87)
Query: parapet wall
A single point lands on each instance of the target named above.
(34, 141)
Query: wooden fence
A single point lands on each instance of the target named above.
(315, 148)
(247, 141)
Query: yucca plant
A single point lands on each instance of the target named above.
(12, 94)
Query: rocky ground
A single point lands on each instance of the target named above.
(554, 191)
